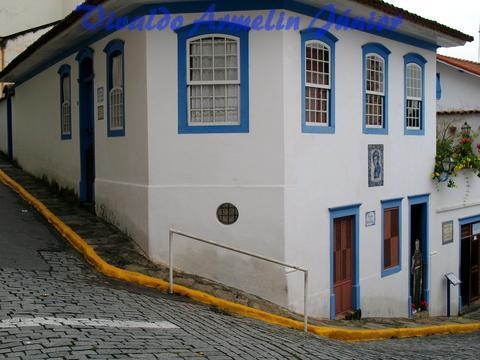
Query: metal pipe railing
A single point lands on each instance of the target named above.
(213, 243)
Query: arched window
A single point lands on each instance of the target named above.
(65, 102)
(115, 88)
(375, 88)
(414, 94)
(375, 91)
(318, 81)
(213, 78)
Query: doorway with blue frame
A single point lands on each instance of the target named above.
(87, 128)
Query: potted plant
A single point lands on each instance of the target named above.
(456, 152)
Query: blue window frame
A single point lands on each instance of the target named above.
(318, 81)
(65, 102)
(115, 88)
(391, 237)
(375, 89)
(414, 120)
(213, 90)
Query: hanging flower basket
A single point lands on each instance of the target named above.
(459, 147)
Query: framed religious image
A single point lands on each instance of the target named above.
(447, 232)
(100, 94)
(370, 218)
(375, 165)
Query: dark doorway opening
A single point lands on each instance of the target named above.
(87, 134)
(418, 258)
(470, 264)
(9, 126)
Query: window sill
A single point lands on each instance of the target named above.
(312, 129)
(414, 132)
(116, 133)
(391, 271)
(66, 137)
(214, 129)
(375, 131)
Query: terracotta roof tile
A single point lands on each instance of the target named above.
(406, 15)
(470, 66)
(459, 112)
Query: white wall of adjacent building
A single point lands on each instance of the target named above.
(460, 90)
(20, 15)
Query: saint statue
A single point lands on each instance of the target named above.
(377, 172)
(417, 275)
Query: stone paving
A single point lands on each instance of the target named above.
(70, 289)
(119, 250)
(60, 285)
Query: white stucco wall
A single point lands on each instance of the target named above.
(19, 15)
(121, 163)
(37, 145)
(451, 204)
(17, 45)
(3, 126)
(192, 174)
(325, 171)
(460, 90)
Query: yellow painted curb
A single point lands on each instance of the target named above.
(133, 277)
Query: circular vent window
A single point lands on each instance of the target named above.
(227, 214)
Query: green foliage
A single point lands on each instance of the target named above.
(457, 145)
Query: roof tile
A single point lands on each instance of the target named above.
(470, 66)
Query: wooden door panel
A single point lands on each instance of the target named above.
(343, 263)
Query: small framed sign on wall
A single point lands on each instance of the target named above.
(370, 218)
(100, 112)
(100, 101)
(447, 232)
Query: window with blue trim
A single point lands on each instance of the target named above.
(375, 88)
(213, 78)
(391, 237)
(65, 102)
(115, 88)
(414, 94)
(318, 81)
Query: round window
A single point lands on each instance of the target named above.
(227, 214)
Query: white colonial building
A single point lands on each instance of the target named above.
(312, 147)
(458, 105)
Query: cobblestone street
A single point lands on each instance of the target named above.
(54, 306)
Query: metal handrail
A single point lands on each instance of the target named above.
(209, 242)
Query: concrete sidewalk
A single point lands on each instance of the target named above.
(117, 249)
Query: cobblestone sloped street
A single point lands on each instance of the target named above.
(54, 306)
